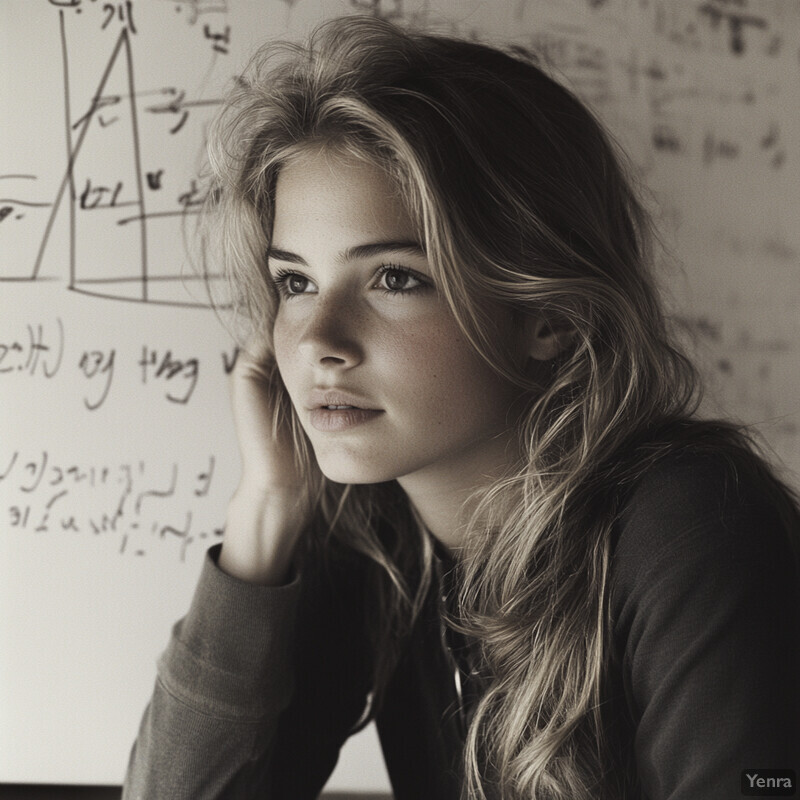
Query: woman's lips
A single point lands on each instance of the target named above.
(327, 419)
(336, 409)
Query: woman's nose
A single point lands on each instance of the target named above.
(332, 335)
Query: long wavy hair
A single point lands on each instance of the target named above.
(523, 201)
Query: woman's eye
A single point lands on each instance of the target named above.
(297, 284)
(396, 279)
(292, 283)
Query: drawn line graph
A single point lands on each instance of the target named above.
(109, 222)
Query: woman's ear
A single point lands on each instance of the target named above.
(546, 337)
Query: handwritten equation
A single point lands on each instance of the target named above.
(41, 351)
(134, 504)
(121, 14)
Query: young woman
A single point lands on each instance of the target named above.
(475, 504)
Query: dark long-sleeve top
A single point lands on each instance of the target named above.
(259, 687)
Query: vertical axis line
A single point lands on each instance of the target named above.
(137, 157)
(68, 130)
(73, 156)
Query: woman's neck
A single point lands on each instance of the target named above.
(445, 495)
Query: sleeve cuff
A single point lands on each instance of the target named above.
(231, 655)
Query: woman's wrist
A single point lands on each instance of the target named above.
(261, 532)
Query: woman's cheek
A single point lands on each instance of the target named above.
(285, 358)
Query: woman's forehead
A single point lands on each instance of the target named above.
(342, 199)
(319, 176)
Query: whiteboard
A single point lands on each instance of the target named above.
(116, 443)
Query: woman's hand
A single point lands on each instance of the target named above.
(273, 503)
(268, 460)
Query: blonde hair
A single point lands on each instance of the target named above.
(521, 201)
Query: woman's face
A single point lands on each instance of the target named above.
(383, 380)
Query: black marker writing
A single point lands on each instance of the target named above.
(204, 478)
(228, 363)
(220, 40)
(167, 368)
(94, 363)
(41, 350)
(160, 493)
(123, 10)
(36, 470)
(100, 196)
(138, 504)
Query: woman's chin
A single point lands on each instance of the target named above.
(345, 470)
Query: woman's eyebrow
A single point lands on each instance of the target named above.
(376, 248)
(285, 255)
(352, 253)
